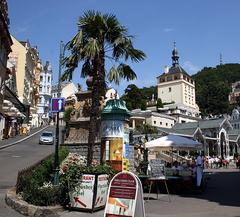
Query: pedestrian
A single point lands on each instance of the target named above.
(28, 130)
(199, 170)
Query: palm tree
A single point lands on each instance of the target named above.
(100, 37)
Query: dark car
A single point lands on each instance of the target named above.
(46, 138)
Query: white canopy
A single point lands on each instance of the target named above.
(173, 142)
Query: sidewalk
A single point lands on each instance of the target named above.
(12, 141)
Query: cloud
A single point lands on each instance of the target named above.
(190, 67)
(168, 29)
(21, 29)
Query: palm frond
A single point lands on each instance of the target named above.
(87, 69)
(91, 49)
(126, 72)
(113, 75)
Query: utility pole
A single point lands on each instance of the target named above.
(56, 155)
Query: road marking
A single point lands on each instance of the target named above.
(16, 156)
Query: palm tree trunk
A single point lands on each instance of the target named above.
(95, 115)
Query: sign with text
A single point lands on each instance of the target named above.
(57, 104)
(157, 167)
(125, 196)
(82, 197)
(102, 190)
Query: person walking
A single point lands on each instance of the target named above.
(199, 170)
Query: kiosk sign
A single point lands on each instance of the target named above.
(125, 197)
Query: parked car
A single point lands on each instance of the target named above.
(46, 138)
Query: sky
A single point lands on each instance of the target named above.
(202, 30)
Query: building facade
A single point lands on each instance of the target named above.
(176, 89)
(155, 119)
(234, 95)
(45, 90)
(5, 49)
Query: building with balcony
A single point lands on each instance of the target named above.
(176, 89)
(23, 57)
(5, 49)
(45, 90)
(34, 91)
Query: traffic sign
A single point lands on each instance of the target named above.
(57, 104)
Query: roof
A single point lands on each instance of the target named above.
(187, 132)
(233, 137)
(175, 70)
(202, 124)
(234, 132)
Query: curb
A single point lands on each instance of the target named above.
(21, 140)
(21, 206)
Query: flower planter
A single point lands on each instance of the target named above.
(91, 195)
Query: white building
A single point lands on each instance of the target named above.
(176, 89)
(155, 119)
(45, 90)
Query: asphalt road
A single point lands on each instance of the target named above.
(15, 158)
(221, 197)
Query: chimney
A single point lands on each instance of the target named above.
(166, 69)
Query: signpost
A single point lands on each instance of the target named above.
(57, 104)
(125, 196)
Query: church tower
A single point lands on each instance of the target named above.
(176, 88)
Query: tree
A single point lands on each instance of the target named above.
(134, 98)
(159, 103)
(100, 37)
(213, 86)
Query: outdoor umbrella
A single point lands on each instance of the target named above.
(171, 142)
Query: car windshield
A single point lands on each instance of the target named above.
(47, 134)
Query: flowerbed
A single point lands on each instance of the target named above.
(36, 187)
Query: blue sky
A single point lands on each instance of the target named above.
(202, 30)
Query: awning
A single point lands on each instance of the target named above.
(10, 96)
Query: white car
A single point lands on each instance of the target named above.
(46, 138)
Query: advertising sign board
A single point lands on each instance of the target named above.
(102, 190)
(82, 197)
(125, 197)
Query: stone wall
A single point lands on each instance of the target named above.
(82, 149)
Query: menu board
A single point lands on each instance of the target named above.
(125, 197)
(157, 167)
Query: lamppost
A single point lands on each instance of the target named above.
(56, 155)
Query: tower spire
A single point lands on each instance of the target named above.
(221, 62)
(175, 56)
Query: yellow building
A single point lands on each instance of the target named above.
(28, 69)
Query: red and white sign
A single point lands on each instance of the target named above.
(124, 195)
(102, 190)
(82, 197)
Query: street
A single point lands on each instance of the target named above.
(15, 158)
(221, 197)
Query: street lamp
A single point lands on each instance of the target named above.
(56, 155)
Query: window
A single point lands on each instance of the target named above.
(169, 89)
(154, 122)
(160, 123)
(40, 88)
(49, 78)
(41, 78)
(166, 124)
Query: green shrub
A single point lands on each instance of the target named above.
(33, 186)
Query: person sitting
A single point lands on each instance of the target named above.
(176, 168)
